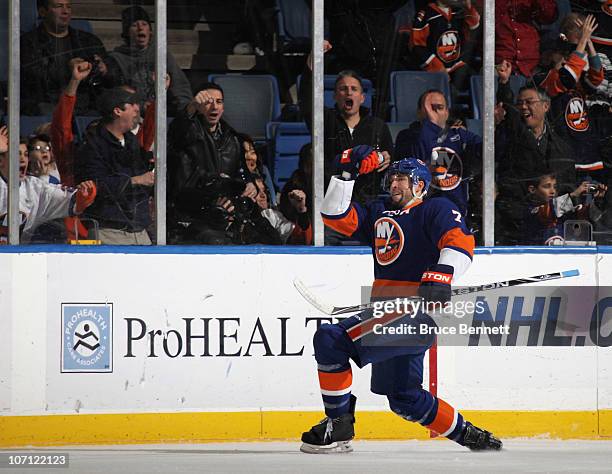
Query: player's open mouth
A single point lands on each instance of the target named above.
(348, 104)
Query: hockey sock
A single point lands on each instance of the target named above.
(445, 420)
(336, 391)
(422, 407)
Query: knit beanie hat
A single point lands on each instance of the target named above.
(129, 16)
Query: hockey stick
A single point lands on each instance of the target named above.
(334, 310)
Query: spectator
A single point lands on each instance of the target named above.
(254, 164)
(206, 162)
(112, 157)
(301, 180)
(453, 153)
(45, 54)
(365, 41)
(41, 159)
(298, 232)
(62, 131)
(517, 39)
(569, 82)
(39, 201)
(531, 149)
(348, 124)
(133, 62)
(546, 212)
(439, 33)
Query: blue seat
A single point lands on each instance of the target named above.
(81, 24)
(251, 101)
(287, 140)
(27, 14)
(474, 126)
(407, 86)
(329, 87)
(395, 128)
(293, 26)
(516, 82)
(82, 122)
(27, 124)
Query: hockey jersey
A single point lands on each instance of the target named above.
(405, 242)
(569, 113)
(438, 35)
(39, 202)
(453, 155)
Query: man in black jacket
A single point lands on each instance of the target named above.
(347, 125)
(113, 159)
(45, 54)
(206, 162)
(530, 149)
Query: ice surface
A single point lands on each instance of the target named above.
(380, 457)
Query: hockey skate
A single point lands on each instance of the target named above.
(331, 435)
(480, 440)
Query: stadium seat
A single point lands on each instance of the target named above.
(287, 140)
(81, 24)
(329, 86)
(82, 122)
(474, 126)
(293, 26)
(516, 82)
(395, 128)
(407, 86)
(28, 124)
(251, 101)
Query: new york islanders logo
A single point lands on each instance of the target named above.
(576, 117)
(607, 7)
(389, 240)
(446, 168)
(448, 47)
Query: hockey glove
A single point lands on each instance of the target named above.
(362, 159)
(436, 284)
(85, 196)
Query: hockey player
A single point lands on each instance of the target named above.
(418, 245)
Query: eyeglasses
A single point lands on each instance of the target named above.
(40, 148)
(528, 102)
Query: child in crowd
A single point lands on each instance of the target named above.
(41, 160)
(546, 212)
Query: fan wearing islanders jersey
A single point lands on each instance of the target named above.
(438, 35)
(574, 72)
(418, 245)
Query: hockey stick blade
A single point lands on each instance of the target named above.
(335, 310)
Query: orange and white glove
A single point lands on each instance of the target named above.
(85, 196)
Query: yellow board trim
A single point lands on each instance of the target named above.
(137, 428)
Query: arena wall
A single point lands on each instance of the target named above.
(199, 344)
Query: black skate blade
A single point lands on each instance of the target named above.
(338, 447)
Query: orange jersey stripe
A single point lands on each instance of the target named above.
(419, 36)
(335, 381)
(456, 238)
(394, 288)
(445, 418)
(346, 225)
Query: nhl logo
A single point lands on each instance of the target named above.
(446, 168)
(576, 117)
(448, 46)
(389, 240)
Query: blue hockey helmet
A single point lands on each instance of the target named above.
(416, 169)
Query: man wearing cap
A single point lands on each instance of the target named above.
(112, 158)
(134, 62)
(45, 54)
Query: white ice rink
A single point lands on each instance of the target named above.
(381, 457)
